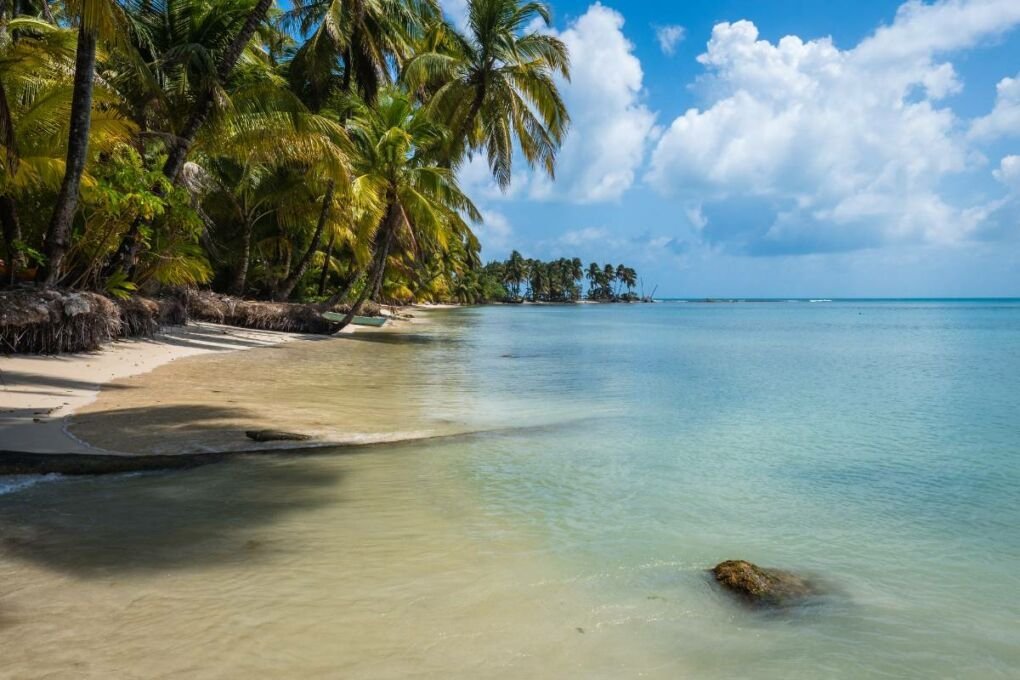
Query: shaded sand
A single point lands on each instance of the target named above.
(356, 389)
(38, 393)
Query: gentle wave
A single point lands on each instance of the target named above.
(13, 484)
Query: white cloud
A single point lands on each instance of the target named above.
(610, 126)
(849, 146)
(1009, 172)
(696, 216)
(669, 37)
(456, 11)
(494, 233)
(476, 180)
(1004, 120)
(580, 237)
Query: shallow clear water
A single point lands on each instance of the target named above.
(626, 449)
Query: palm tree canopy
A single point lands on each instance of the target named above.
(497, 85)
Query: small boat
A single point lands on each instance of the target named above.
(374, 321)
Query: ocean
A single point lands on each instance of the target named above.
(596, 461)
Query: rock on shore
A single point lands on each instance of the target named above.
(762, 586)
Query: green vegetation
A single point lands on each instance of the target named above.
(304, 153)
(518, 279)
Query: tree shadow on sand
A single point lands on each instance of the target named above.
(99, 527)
(168, 429)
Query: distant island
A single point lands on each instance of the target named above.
(519, 279)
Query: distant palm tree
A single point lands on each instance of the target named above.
(594, 276)
(629, 278)
(609, 275)
(515, 272)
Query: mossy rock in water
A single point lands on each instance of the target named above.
(761, 586)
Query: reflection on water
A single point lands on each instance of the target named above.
(622, 452)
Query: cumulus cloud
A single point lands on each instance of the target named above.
(494, 233)
(833, 149)
(610, 126)
(1009, 172)
(669, 37)
(584, 236)
(1004, 120)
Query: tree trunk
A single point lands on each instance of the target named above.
(47, 14)
(287, 287)
(59, 232)
(241, 275)
(325, 265)
(341, 294)
(12, 234)
(378, 269)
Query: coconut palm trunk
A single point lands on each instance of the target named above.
(325, 264)
(378, 270)
(240, 281)
(58, 233)
(288, 284)
(12, 236)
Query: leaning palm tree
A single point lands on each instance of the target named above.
(396, 146)
(497, 84)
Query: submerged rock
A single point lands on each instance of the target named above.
(276, 436)
(761, 586)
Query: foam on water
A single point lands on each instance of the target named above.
(15, 483)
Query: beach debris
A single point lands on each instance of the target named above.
(276, 436)
(761, 586)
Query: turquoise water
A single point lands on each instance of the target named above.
(876, 444)
(628, 448)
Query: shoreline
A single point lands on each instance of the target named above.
(40, 394)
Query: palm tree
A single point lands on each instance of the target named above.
(96, 19)
(515, 272)
(496, 84)
(576, 274)
(396, 145)
(362, 36)
(594, 277)
(629, 278)
(222, 46)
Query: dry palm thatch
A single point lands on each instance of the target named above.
(272, 316)
(54, 321)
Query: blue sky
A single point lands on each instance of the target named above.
(781, 148)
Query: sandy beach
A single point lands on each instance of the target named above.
(39, 393)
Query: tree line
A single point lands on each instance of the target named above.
(307, 151)
(520, 279)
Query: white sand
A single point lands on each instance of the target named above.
(38, 393)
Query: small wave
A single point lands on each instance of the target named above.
(13, 484)
(822, 300)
